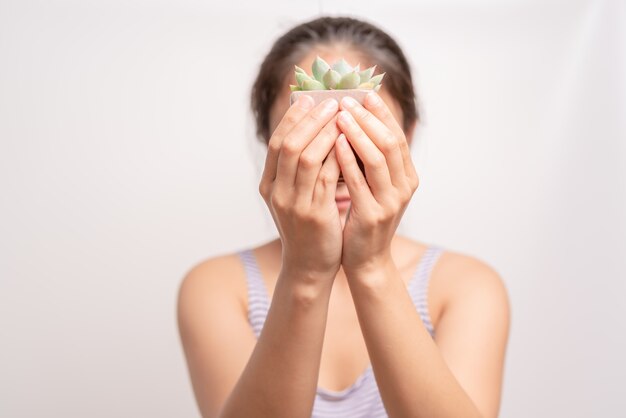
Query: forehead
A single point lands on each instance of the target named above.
(330, 54)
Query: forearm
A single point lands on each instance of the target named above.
(412, 375)
(280, 379)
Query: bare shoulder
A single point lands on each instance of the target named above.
(473, 328)
(221, 277)
(463, 277)
(464, 272)
(216, 337)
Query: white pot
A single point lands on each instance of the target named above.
(320, 95)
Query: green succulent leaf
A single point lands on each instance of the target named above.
(342, 67)
(338, 76)
(349, 81)
(320, 67)
(331, 79)
(377, 79)
(301, 77)
(312, 85)
(367, 74)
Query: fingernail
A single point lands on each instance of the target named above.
(372, 98)
(329, 104)
(342, 141)
(345, 117)
(349, 101)
(306, 101)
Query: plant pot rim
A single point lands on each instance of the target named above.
(320, 95)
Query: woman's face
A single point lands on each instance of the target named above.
(281, 104)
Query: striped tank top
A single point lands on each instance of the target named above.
(362, 399)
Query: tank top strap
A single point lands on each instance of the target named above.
(258, 297)
(418, 287)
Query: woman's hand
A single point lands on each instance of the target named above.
(379, 202)
(298, 185)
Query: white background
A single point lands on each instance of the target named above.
(127, 155)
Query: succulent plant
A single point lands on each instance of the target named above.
(339, 76)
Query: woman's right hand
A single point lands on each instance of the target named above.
(298, 185)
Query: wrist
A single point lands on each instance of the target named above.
(371, 265)
(373, 274)
(306, 286)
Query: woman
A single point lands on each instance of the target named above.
(340, 316)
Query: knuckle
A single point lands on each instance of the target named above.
(262, 189)
(290, 146)
(325, 179)
(404, 197)
(273, 147)
(307, 160)
(414, 180)
(278, 202)
(389, 142)
(377, 161)
(291, 119)
(389, 212)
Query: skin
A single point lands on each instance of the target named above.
(339, 302)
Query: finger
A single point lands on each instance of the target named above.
(298, 138)
(377, 106)
(326, 185)
(311, 159)
(384, 138)
(376, 169)
(293, 115)
(357, 186)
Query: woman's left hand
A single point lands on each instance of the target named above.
(379, 202)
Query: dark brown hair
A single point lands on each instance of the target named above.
(367, 39)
